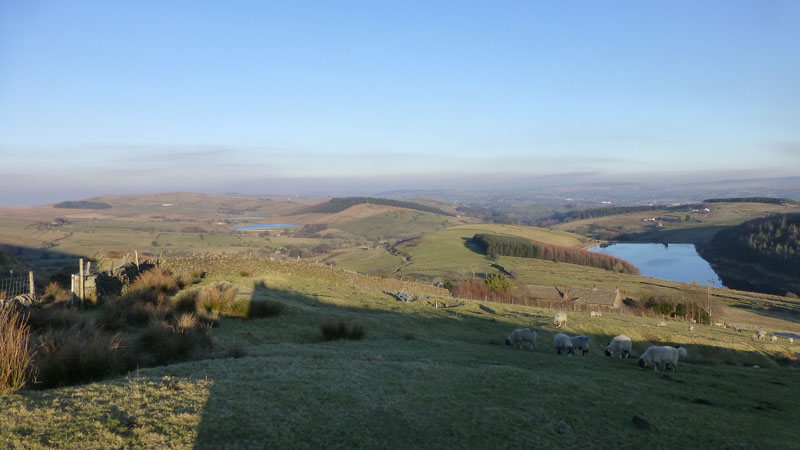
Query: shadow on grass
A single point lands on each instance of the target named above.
(385, 391)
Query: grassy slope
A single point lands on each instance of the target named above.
(446, 253)
(397, 223)
(453, 385)
(701, 227)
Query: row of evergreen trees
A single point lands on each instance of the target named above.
(338, 204)
(772, 241)
(497, 245)
(769, 200)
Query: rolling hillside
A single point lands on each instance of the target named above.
(422, 377)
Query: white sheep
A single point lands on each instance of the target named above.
(620, 344)
(580, 343)
(521, 336)
(691, 328)
(560, 319)
(791, 341)
(665, 354)
(595, 314)
(774, 338)
(662, 324)
(762, 334)
(563, 343)
(753, 337)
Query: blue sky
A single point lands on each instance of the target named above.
(237, 96)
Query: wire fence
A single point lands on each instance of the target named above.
(14, 286)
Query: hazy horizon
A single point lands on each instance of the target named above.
(357, 97)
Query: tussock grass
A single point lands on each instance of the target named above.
(220, 298)
(15, 353)
(264, 308)
(335, 329)
(76, 356)
(156, 279)
(55, 293)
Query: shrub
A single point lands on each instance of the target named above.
(264, 308)
(155, 279)
(15, 353)
(334, 329)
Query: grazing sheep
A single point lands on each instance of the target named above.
(774, 338)
(691, 328)
(791, 341)
(719, 324)
(753, 337)
(580, 343)
(665, 354)
(662, 324)
(620, 344)
(563, 343)
(521, 336)
(762, 334)
(596, 314)
(560, 319)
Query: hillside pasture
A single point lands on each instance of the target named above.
(422, 377)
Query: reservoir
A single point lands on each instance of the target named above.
(675, 262)
(264, 226)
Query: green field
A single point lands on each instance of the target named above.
(422, 378)
(447, 253)
(397, 224)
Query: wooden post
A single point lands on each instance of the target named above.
(72, 290)
(136, 254)
(88, 268)
(30, 281)
(80, 282)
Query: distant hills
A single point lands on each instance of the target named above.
(336, 205)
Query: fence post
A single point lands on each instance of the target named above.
(136, 255)
(72, 289)
(80, 282)
(30, 281)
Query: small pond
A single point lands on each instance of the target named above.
(675, 262)
(264, 226)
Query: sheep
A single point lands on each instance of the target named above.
(656, 355)
(762, 334)
(662, 324)
(563, 343)
(520, 336)
(691, 328)
(560, 319)
(791, 341)
(753, 337)
(580, 343)
(620, 344)
(596, 314)
(774, 338)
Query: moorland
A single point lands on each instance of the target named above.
(296, 337)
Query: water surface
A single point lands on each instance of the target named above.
(675, 262)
